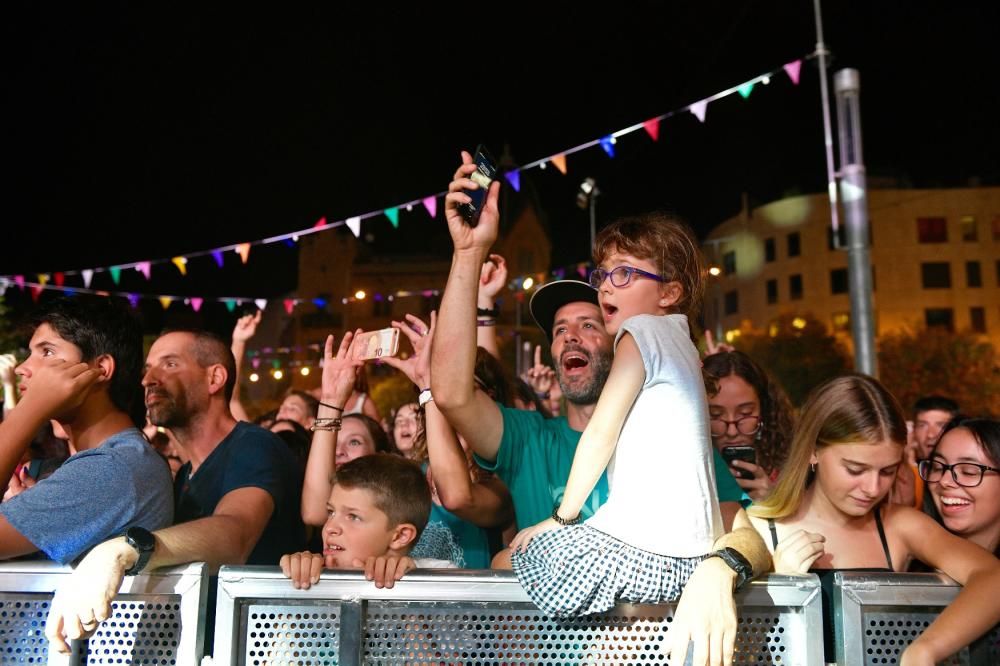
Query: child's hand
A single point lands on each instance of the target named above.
(713, 347)
(385, 570)
(540, 376)
(246, 327)
(797, 552)
(303, 568)
(340, 370)
(492, 278)
(520, 542)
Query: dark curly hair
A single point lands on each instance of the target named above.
(775, 408)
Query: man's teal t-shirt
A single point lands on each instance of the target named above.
(534, 460)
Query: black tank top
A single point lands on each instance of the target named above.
(826, 583)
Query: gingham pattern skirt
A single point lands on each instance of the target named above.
(578, 570)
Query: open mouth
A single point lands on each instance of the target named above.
(609, 310)
(574, 361)
(955, 502)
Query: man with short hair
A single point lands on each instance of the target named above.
(82, 372)
(237, 497)
(930, 415)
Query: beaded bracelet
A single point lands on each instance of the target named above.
(326, 424)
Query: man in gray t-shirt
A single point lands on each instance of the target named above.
(83, 372)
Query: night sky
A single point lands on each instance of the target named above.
(141, 132)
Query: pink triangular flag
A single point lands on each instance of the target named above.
(243, 249)
(793, 69)
(19, 279)
(196, 303)
(354, 224)
(652, 128)
(320, 223)
(560, 162)
(143, 267)
(255, 362)
(431, 204)
(261, 303)
(289, 305)
(88, 275)
(698, 109)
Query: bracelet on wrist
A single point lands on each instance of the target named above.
(486, 322)
(329, 406)
(488, 312)
(425, 397)
(326, 424)
(564, 521)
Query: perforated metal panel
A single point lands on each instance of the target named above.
(22, 628)
(141, 632)
(888, 632)
(407, 633)
(292, 635)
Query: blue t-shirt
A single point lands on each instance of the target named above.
(249, 457)
(448, 537)
(534, 460)
(95, 495)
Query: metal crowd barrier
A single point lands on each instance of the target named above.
(877, 615)
(479, 617)
(158, 618)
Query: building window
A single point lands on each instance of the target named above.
(795, 287)
(770, 252)
(998, 272)
(838, 281)
(841, 321)
(936, 275)
(977, 319)
(772, 292)
(841, 237)
(996, 228)
(732, 304)
(794, 244)
(940, 317)
(973, 275)
(968, 226)
(932, 229)
(729, 262)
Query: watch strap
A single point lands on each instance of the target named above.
(735, 560)
(144, 543)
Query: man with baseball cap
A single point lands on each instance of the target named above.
(533, 455)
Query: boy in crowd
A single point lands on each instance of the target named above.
(377, 509)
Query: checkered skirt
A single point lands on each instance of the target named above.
(578, 570)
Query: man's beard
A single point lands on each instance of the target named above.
(586, 392)
(168, 412)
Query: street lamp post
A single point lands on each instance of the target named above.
(587, 198)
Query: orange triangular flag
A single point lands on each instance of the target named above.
(560, 162)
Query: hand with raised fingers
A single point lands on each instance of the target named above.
(340, 370)
(7, 377)
(797, 552)
(417, 367)
(540, 376)
(246, 327)
(303, 568)
(385, 570)
(484, 234)
(714, 347)
(492, 278)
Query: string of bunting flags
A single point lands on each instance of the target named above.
(58, 280)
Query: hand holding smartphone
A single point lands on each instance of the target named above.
(744, 453)
(484, 175)
(376, 344)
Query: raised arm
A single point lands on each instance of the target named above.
(453, 357)
(491, 281)
(246, 327)
(339, 373)
(9, 381)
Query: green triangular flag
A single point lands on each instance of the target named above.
(230, 304)
(393, 215)
(745, 89)
(116, 273)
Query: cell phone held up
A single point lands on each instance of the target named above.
(376, 344)
(744, 453)
(485, 173)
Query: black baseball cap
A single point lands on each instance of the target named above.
(548, 298)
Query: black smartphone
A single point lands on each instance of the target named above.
(485, 173)
(744, 453)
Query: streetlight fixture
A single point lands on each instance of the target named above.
(586, 198)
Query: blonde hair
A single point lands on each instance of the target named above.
(845, 410)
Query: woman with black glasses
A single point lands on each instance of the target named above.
(963, 476)
(751, 420)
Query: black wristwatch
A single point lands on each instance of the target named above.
(144, 543)
(736, 562)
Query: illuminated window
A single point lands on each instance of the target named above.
(967, 224)
(932, 229)
(841, 321)
(732, 335)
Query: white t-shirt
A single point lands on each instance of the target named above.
(661, 476)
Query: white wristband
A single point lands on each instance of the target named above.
(425, 397)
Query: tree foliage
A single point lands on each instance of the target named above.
(798, 352)
(961, 366)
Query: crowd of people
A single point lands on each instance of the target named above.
(118, 464)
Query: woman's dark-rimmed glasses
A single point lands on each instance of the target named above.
(745, 425)
(965, 474)
(620, 276)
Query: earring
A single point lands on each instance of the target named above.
(812, 467)
(760, 432)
